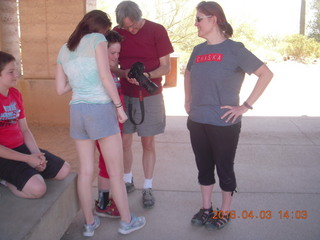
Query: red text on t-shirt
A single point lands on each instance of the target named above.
(211, 57)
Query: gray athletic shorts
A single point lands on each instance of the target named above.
(93, 121)
(154, 120)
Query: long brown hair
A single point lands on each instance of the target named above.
(93, 22)
(210, 8)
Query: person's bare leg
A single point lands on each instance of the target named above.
(149, 156)
(226, 202)
(64, 172)
(127, 152)
(206, 193)
(34, 188)
(103, 183)
(111, 148)
(85, 149)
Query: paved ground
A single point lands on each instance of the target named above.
(277, 167)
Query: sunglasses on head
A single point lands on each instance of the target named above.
(199, 19)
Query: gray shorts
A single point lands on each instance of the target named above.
(154, 120)
(93, 121)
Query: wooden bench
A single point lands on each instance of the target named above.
(38, 219)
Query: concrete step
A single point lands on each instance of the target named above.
(37, 219)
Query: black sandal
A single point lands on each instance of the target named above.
(216, 222)
(201, 217)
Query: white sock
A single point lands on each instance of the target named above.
(3, 182)
(127, 177)
(147, 183)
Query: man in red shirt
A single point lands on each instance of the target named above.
(146, 42)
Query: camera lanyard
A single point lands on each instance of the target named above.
(141, 106)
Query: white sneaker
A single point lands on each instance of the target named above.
(3, 182)
(89, 228)
(135, 224)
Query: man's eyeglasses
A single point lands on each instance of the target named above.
(132, 26)
(199, 19)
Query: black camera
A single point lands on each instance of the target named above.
(136, 71)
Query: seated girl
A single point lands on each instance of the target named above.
(23, 166)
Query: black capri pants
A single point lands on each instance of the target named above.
(215, 146)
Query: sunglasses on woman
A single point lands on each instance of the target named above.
(199, 19)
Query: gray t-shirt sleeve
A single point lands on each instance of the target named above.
(247, 61)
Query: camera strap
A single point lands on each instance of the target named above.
(141, 107)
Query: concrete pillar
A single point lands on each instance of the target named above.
(45, 26)
(9, 33)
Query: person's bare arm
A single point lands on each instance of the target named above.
(187, 91)
(61, 80)
(107, 79)
(163, 69)
(264, 77)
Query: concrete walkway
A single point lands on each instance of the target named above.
(278, 173)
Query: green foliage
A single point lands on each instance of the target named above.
(300, 48)
(246, 34)
(178, 17)
(314, 26)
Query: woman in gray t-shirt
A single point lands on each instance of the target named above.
(213, 79)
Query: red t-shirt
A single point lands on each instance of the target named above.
(147, 46)
(11, 110)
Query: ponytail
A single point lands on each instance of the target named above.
(226, 28)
